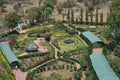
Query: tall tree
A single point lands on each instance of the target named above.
(11, 20)
(72, 16)
(91, 18)
(96, 15)
(81, 14)
(34, 13)
(114, 19)
(68, 15)
(59, 8)
(101, 18)
(86, 15)
(2, 2)
(39, 3)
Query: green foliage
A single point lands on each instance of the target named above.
(117, 51)
(101, 18)
(48, 10)
(86, 15)
(68, 15)
(81, 14)
(116, 66)
(106, 33)
(71, 31)
(49, 3)
(78, 75)
(68, 41)
(59, 8)
(11, 19)
(55, 43)
(6, 67)
(72, 16)
(4, 76)
(34, 13)
(96, 15)
(115, 5)
(114, 19)
(69, 3)
(12, 37)
(2, 2)
(83, 62)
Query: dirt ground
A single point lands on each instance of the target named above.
(63, 73)
(104, 8)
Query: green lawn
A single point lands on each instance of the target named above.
(59, 33)
(72, 46)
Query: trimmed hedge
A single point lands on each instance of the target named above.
(67, 60)
(33, 55)
(72, 59)
(56, 44)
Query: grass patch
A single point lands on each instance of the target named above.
(59, 33)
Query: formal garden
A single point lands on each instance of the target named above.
(46, 36)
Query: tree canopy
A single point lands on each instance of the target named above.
(11, 19)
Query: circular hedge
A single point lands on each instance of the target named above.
(68, 41)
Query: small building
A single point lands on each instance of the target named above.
(31, 47)
(8, 54)
(93, 39)
(102, 67)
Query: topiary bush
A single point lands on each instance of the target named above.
(68, 41)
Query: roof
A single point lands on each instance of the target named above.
(31, 47)
(102, 67)
(91, 37)
(7, 52)
(1, 25)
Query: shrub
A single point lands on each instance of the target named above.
(68, 41)
(47, 37)
(71, 31)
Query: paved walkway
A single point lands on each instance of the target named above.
(19, 75)
(83, 75)
(41, 48)
(97, 50)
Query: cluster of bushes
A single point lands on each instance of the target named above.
(72, 59)
(70, 53)
(79, 29)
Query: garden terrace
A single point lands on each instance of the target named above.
(33, 61)
(75, 44)
(54, 66)
(102, 68)
(93, 39)
(9, 55)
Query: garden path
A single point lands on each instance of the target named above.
(97, 50)
(19, 75)
(55, 49)
(83, 75)
(41, 48)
